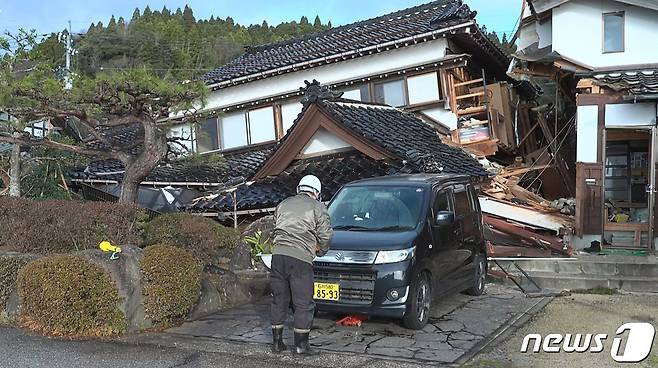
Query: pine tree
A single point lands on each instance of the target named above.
(147, 13)
(179, 13)
(329, 25)
(165, 12)
(317, 23)
(121, 24)
(303, 21)
(112, 25)
(188, 17)
(91, 29)
(136, 16)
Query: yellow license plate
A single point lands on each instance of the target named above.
(324, 291)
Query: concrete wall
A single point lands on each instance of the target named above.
(578, 33)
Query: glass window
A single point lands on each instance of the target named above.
(377, 208)
(207, 137)
(390, 93)
(38, 129)
(261, 125)
(423, 88)
(357, 94)
(462, 203)
(443, 202)
(233, 128)
(613, 32)
(289, 113)
(185, 141)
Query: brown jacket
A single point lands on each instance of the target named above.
(301, 223)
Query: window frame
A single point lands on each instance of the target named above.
(455, 191)
(405, 97)
(217, 129)
(623, 32)
(248, 121)
(438, 88)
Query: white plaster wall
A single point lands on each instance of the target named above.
(587, 120)
(323, 141)
(527, 36)
(578, 33)
(443, 116)
(638, 114)
(545, 33)
(419, 54)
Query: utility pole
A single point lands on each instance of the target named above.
(69, 53)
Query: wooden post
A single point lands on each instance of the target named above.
(559, 162)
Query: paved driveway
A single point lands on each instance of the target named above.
(459, 326)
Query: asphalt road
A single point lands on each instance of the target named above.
(20, 349)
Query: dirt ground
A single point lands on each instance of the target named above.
(578, 313)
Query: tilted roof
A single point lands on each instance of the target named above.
(635, 81)
(229, 167)
(398, 29)
(414, 144)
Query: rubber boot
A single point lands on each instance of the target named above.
(277, 338)
(302, 347)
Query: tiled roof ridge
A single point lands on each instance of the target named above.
(351, 26)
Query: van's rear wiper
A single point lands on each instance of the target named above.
(350, 227)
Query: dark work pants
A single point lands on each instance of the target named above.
(292, 278)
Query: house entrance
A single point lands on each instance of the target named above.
(627, 183)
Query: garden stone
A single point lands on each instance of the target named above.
(220, 290)
(237, 257)
(125, 272)
(12, 309)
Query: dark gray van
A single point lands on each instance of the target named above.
(400, 243)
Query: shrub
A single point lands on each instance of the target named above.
(9, 267)
(171, 282)
(68, 295)
(206, 239)
(58, 226)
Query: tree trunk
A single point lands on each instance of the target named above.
(15, 169)
(138, 168)
(129, 192)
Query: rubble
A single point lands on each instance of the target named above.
(521, 223)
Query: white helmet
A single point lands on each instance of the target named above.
(309, 183)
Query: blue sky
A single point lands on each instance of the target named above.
(52, 15)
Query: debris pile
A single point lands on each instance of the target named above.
(520, 223)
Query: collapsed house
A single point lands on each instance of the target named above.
(409, 59)
(418, 90)
(601, 76)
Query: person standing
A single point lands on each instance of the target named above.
(302, 231)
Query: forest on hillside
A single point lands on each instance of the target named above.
(168, 41)
(175, 42)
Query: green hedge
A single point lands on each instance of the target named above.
(10, 265)
(206, 239)
(68, 295)
(57, 226)
(171, 283)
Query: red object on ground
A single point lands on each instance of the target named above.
(352, 320)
